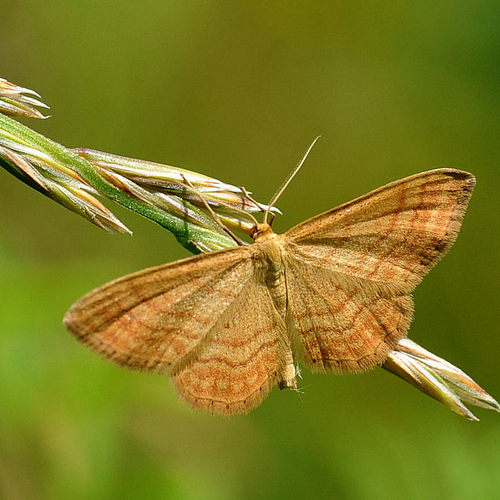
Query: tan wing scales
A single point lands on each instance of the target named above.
(349, 271)
(153, 319)
(393, 235)
(340, 325)
(235, 371)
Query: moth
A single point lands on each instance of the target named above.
(333, 292)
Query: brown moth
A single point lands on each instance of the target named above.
(333, 292)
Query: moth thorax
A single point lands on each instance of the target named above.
(271, 260)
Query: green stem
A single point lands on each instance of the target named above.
(186, 234)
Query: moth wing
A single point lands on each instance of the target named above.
(350, 270)
(243, 360)
(340, 324)
(206, 320)
(393, 235)
(152, 319)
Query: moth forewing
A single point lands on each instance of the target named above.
(393, 235)
(151, 320)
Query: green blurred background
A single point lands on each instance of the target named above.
(238, 90)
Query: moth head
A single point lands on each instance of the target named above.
(261, 232)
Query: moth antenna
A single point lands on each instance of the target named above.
(292, 174)
(212, 213)
(260, 207)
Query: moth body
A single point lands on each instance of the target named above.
(270, 266)
(333, 292)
